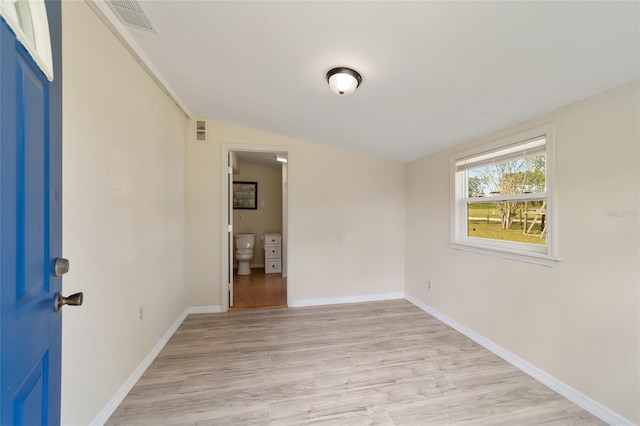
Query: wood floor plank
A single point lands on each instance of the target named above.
(472, 406)
(379, 363)
(488, 378)
(327, 407)
(548, 415)
(377, 418)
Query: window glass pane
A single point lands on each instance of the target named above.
(25, 21)
(519, 176)
(517, 221)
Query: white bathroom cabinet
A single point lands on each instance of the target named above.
(272, 253)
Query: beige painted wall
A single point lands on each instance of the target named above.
(579, 321)
(268, 216)
(123, 213)
(126, 232)
(331, 191)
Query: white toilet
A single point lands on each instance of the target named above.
(244, 252)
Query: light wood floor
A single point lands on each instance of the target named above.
(382, 363)
(259, 290)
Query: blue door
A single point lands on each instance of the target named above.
(30, 229)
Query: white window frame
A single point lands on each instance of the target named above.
(531, 253)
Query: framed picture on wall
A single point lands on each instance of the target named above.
(245, 195)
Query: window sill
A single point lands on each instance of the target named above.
(535, 258)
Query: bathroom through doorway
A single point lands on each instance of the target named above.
(256, 221)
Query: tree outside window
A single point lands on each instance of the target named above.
(522, 176)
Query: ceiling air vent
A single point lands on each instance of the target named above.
(131, 13)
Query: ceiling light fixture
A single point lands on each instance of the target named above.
(281, 158)
(343, 81)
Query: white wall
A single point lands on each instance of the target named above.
(268, 216)
(124, 213)
(331, 191)
(579, 321)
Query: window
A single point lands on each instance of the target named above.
(502, 200)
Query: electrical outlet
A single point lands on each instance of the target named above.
(347, 238)
(339, 239)
(141, 312)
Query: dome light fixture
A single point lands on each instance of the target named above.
(343, 81)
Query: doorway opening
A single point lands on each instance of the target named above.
(255, 219)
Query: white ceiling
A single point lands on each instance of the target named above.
(435, 74)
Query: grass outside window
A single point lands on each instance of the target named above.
(485, 221)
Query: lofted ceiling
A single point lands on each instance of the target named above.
(435, 74)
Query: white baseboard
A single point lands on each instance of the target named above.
(349, 299)
(119, 396)
(603, 413)
(213, 309)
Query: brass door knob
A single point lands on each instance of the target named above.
(73, 300)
